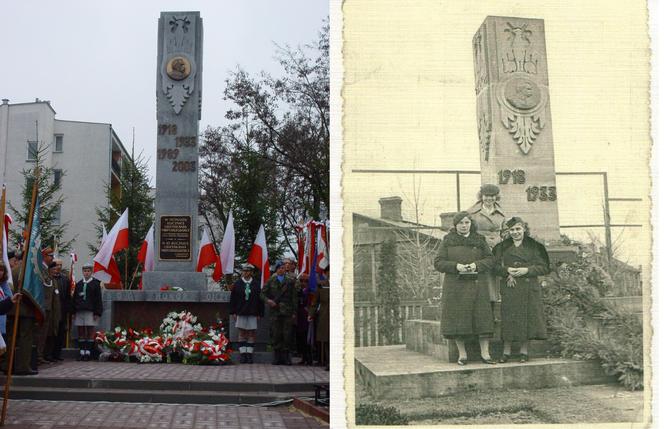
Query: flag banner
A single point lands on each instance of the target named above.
(33, 279)
(146, 254)
(227, 255)
(258, 256)
(207, 255)
(105, 267)
(5, 247)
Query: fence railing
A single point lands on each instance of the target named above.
(367, 332)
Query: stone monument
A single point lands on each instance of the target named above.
(176, 203)
(514, 120)
(179, 79)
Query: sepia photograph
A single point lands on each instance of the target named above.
(496, 221)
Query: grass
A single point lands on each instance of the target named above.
(580, 404)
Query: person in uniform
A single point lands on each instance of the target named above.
(489, 217)
(280, 294)
(61, 280)
(520, 260)
(465, 258)
(303, 336)
(320, 312)
(88, 309)
(246, 308)
(26, 327)
(49, 329)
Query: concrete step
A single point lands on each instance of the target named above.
(157, 396)
(260, 356)
(44, 382)
(394, 372)
(423, 336)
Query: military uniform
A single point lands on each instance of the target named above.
(282, 290)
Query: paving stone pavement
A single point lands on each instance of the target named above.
(27, 414)
(256, 373)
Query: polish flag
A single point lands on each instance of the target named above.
(146, 254)
(105, 269)
(258, 256)
(227, 256)
(323, 260)
(206, 253)
(72, 278)
(5, 257)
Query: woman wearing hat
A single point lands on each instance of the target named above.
(88, 308)
(489, 218)
(465, 258)
(519, 260)
(246, 308)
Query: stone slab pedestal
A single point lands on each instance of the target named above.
(423, 336)
(187, 280)
(148, 308)
(394, 372)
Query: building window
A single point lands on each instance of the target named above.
(33, 150)
(58, 143)
(57, 177)
(56, 215)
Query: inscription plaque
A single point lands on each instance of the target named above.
(175, 238)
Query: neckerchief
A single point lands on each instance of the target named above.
(247, 288)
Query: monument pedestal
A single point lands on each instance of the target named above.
(139, 309)
(189, 281)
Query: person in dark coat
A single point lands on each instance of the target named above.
(465, 258)
(247, 308)
(280, 294)
(320, 311)
(88, 308)
(49, 329)
(519, 260)
(61, 279)
(302, 324)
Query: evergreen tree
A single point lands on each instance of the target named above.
(389, 319)
(51, 228)
(136, 195)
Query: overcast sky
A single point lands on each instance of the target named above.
(98, 64)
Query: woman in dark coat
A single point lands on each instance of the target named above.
(465, 258)
(519, 260)
(246, 308)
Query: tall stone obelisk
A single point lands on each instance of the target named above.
(179, 72)
(514, 120)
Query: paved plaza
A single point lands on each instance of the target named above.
(256, 373)
(85, 378)
(27, 414)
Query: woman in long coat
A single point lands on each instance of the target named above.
(465, 258)
(519, 260)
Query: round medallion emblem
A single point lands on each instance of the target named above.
(178, 68)
(522, 93)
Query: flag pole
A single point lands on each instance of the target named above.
(133, 276)
(18, 288)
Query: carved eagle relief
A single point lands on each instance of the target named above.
(522, 104)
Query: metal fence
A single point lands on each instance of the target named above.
(367, 332)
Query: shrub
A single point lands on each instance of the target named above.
(573, 308)
(371, 414)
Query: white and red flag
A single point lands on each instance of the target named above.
(105, 268)
(207, 254)
(322, 258)
(5, 241)
(146, 253)
(72, 278)
(258, 256)
(227, 255)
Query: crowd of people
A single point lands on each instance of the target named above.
(42, 333)
(298, 316)
(487, 259)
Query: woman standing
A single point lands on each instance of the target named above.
(519, 260)
(489, 218)
(467, 262)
